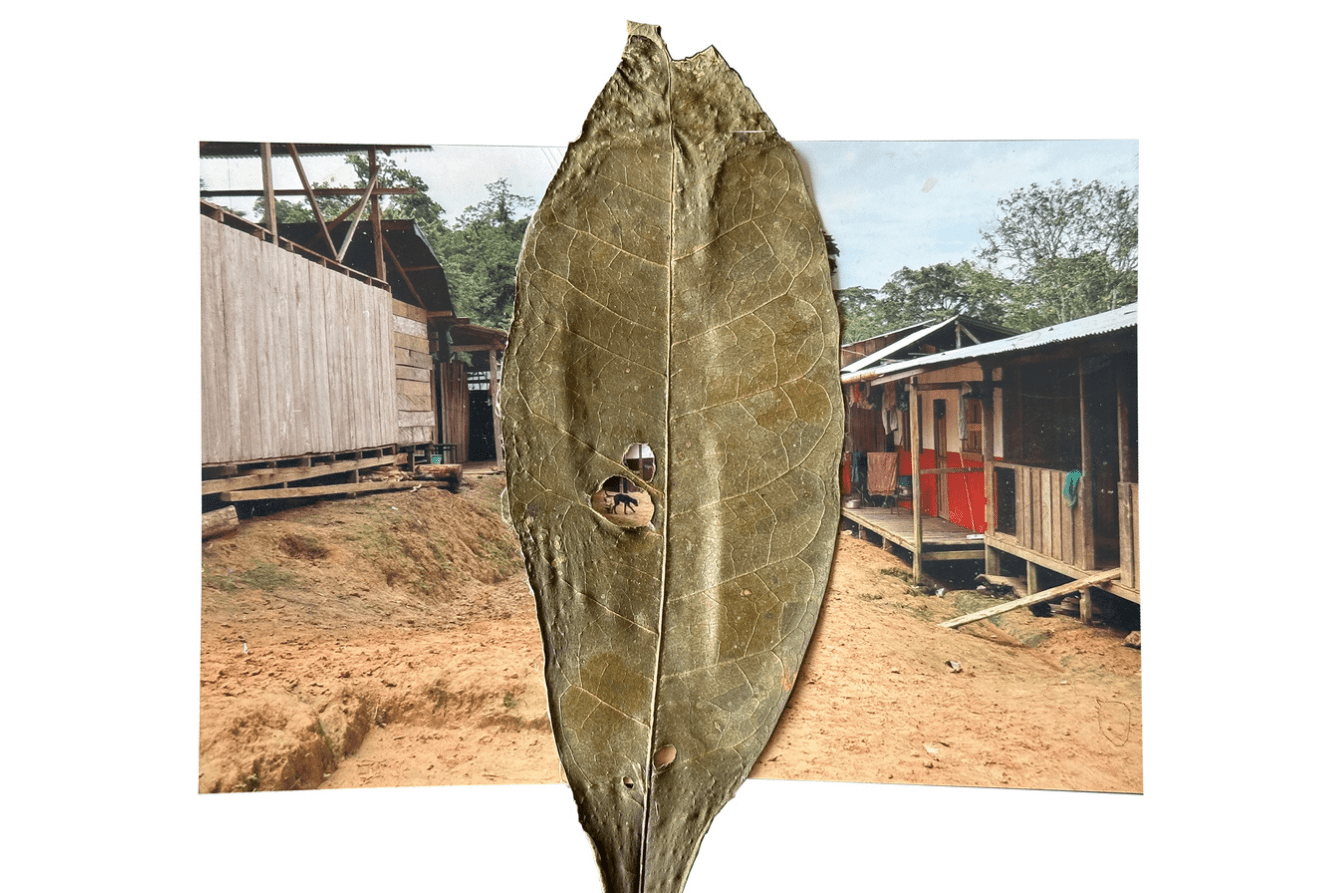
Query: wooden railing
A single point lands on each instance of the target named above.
(1044, 522)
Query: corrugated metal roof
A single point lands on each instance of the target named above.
(1088, 327)
(214, 149)
(902, 343)
(912, 335)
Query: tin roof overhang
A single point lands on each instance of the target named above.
(1113, 321)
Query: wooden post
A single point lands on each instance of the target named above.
(376, 217)
(497, 414)
(1032, 575)
(989, 450)
(914, 422)
(1084, 547)
(1125, 368)
(268, 184)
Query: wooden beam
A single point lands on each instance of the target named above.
(954, 555)
(376, 218)
(494, 382)
(1125, 374)
(311, 199)
(989, 452)
(266, 477)
(324, 490)
(357, 215)
(471, 348)
(401, 270)
(1085, 551)
(323, 191)
(1036, 598)
(914, 414)
(268, 190)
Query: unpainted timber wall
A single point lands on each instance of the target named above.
(415, 418)
(296, 359)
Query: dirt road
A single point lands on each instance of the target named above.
(391, 640)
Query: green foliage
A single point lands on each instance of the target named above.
(1070, 251)
(1055, 253)
(930, 293)
(479, 252)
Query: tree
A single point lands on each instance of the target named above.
(924, 295)
(480, 255)
(1070, 251)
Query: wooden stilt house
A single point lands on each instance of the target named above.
(320, 351)
(1040, 430)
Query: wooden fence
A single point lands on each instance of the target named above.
(295, 358)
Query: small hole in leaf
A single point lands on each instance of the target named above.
(664, 757)
(628, 782)
(640, 459)
(623, 502)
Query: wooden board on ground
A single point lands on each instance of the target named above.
(1035, 598)
(323, 490)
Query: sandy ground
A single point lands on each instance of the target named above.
(391, 640)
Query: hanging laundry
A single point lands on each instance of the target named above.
(1070, 489)
(883, 473)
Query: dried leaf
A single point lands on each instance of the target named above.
(673, 290)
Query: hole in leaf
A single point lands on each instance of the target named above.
(639, 458)
(623, 502)
(628, 782)
(664, 757)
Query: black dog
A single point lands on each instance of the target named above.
(622, 499)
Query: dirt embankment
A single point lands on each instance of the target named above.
(391, 640)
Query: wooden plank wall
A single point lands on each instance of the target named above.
(456, 407)
(1128, 522)
(295, 358)
(415, 418)
(1045, 523)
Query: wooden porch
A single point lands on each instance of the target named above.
(940, 539)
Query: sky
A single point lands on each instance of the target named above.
(887, 204)
(525, 74)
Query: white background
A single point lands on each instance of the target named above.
(525, 74)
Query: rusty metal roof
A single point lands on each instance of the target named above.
(1120, 319)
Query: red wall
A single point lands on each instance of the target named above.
(966, 490)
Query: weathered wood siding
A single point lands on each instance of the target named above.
(455, 407)
(1046, 524)
(415, 418)
(1128, 515)
(295, 358)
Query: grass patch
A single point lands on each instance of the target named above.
(266, 576)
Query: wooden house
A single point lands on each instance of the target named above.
(326, 348)
(1039, 429)
(877, 462)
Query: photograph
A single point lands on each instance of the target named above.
(676, 457)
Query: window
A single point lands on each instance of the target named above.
(971, 408)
